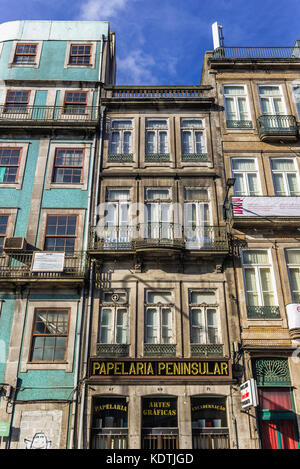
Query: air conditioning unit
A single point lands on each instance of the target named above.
(14, 244)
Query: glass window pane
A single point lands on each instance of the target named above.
(293, 256)
(251, 287)
(159, 297)
(283, 164)
(255, 257)
(202, 297)
(243, 164)
(234, 90)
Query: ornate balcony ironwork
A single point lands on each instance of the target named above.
(48, 115)
(112, 350)
(263, 312)
(207, 350)
(157, 157)
(277, 127)
(19, 266)
(120, 158)
(233, 124)
(159, 350)
(158, 235)
(153, 92)
(194, 157)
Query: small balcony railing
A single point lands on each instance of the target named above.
(120, 158)
(158, 235)
(157, 157)
(194, 157)
(223, 53)
(263, 312)
(112, 350)
(43, 115)
(153, 92)
(207, 350)
(159, 350)
(276, 127)
(240, 124)
(207, 439)
(19, 266)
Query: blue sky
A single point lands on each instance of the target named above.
(162, 42)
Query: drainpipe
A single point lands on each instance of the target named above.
(89, 306)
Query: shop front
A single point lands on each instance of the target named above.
(159, 423)
(209, 423)
(110, 423)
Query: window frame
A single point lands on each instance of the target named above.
(3, 236)
(281, 95)
(205, 329)
(289, 268)
(34, 62)
(75, 237)
(157, 131)
(20, 103)
(114, 306)
(235, 100)
(257, 268)
(284, 174)
(159, 307)
(73, 167)
(193, 130)
(90, 55)
(245, 174)
(121, 132)
(33, 335)
(73, 105)
(20, 149)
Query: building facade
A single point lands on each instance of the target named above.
(256, 91)
(160, 369)
(50, 89)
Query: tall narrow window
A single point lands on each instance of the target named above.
(75, 102)
(80, 54)
(50, 334)
(116, 220)
(246, 176)
(113, 326)
(158, 213)
(204, 318)
(159, 317)
(157, 137)
(196, 217)
(236, 106)
(25, 53)
(3, 229)
(61, 233)
(285, 177)
(16, 102)
(120, 139)
(68, 166)
(9, 164)
(271, 99)
(259, 283)
(192, 139)
(293, 262)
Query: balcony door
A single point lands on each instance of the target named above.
(272, 106)
(158, 215)
(196, 218)
(117, 217)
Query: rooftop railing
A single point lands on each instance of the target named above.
(223, 53)
(153, 92)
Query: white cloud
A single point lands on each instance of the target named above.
(101, 9)
(136, 69)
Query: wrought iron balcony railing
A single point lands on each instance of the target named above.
(120, 158)
(19, 266)
(263, 312)
(154, 92)
(194, 157)
(48, 114)
(112, 350)
(277, 127)
(207, 350)
(158, 235)
(241, 124)
(223, 53)
(159, 350)
(157, 157)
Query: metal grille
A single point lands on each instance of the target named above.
(207, 350)
(159, 350)
(194, 157)
(110, 442)
(272, 372)
(160, 442)
(113, 350)
(210, 441)
(263, 312)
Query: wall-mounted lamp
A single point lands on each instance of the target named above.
(229, 183)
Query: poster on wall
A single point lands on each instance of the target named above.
(48, 262)
(40, 429)
(265, 206)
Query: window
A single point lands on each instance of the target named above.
(68, 166)
(285, 177)
(159, 317)
(116, 220)
(80, 54)
(246, 176)
(158, 214)
(209, 423)
(271, 100)
(157, 137)
(293, 262)
(192, 137)
(16, 101)
(75, 102)
(120, 139)
(113, 326)
(236, 106)
(9, 164)
(296, 95)
(204, 318)
(25, 54)
(50, 334)
(3, 229)
(61, 233)
(258, 277)
(196, 217)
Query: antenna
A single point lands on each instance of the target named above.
(217, 32)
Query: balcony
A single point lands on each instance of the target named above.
(263, 312)
(48, 116)
(265, 211)
(197, 157)
(112, 350)
(207, 350)
(277, 128)
(120, 158)
(159, 350)
(157, 157)
(18, 267)
(157, 237)
(234, 124)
